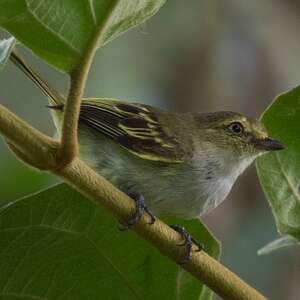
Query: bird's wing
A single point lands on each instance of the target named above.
(133, 126)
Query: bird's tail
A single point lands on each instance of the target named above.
(55, 98)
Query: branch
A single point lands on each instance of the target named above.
(202, 266)
(30, 141)
(209, 271)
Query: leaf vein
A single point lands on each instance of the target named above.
(92, 11)
(33, 297)
(287, 179)
(17, 267)
(49, 29)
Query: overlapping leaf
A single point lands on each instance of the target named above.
(61, 31)
(59, 245)
(279, 172)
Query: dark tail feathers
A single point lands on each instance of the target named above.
(56, 98)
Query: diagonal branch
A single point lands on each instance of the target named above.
(30, 141)
(42, 148)
(202, 266)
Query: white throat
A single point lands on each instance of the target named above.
(214, 189)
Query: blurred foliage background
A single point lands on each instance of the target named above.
(202, 56)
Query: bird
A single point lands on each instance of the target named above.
(170, 164)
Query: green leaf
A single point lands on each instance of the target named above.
(284, 241)
(6, 46)
(58, 245)
(279, 172)
(61, 31)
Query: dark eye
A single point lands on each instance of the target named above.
(236, 127)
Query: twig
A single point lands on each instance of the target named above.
(69, 141)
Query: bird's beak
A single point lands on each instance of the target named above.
(268, 144)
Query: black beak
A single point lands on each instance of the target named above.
(268, 144)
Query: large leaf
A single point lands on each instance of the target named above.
(60, 31)
(59, 245)
(279, 172)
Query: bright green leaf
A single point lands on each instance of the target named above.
(279, 172)
(61, 31)
(284, 241)
(59, 245)
(6, 46)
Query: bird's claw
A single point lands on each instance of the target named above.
(188, 242)
(141, 209)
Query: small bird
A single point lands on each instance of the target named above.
(175, 164)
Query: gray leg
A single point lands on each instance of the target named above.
(141, 208)
(188, 242)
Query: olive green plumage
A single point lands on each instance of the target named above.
(183, 164)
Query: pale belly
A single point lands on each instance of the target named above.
(169, 189)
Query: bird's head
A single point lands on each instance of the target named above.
(237, 133)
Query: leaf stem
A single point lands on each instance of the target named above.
(69, 140)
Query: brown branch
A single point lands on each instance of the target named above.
(91, 184)
(202, 266)
(30, 141)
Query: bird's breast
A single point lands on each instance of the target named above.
(215, 178)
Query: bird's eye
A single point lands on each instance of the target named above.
(236, 127)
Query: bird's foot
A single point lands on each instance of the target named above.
(141, 209)
(188, 242)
